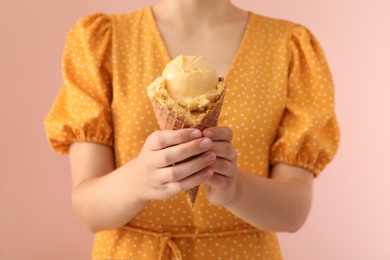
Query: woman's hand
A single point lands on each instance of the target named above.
(221, 187)
(279, 203)
(169, 162)
(172, 161)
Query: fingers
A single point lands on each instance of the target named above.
(189, 182)
(224, 150)
(221, 133)
(182, 152)
(222, 146)
(168, 147)
(179, 160)
(175, 161)
(225, 164)
(184, 169)
(224, 168)
(166, 138)
(186, 175)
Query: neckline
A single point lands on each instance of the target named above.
(236, 55)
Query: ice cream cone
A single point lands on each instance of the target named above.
(170, 120)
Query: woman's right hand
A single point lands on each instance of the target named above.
(172, 161)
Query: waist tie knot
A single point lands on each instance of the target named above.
(166, 241)
(167, 238)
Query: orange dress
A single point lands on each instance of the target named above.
(279, 104)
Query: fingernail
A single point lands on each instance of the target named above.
(206, 143)
(208, 134)
(209, 157)
(195, 134)
(209, 172)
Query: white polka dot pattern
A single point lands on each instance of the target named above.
(279, 104)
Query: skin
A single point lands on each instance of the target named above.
(279, 203)
(198, 29)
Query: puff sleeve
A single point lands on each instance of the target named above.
(308, 135)
(81, 111)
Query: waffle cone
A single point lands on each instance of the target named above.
(170, 120)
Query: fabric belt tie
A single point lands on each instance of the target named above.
(166, 241)
(167, 238)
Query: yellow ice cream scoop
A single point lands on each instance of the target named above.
(188, 86)
(189, 77)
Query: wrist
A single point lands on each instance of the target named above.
(132, 175)
(236, 192)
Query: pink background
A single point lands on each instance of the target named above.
(350, 218)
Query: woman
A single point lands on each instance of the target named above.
(126, 185)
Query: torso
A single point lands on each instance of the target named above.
(253, 107)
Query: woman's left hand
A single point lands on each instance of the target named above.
(221, 187)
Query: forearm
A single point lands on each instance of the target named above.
(272, 204)
(107, 198)
(108, 201)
